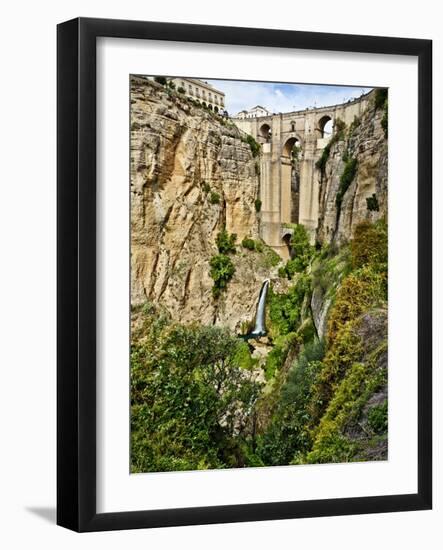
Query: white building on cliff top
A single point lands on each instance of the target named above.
(255, 112)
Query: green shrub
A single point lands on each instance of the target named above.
(276, 357)
(359, 291)
(285, 309)
(381, 95)
(378, 418)
(248, 243)
(257, 205)
(287, 433)
(332, 447)
(254, 146)
(214, 198)
(291, 268)
(370, 246)
(160, 80)
(346, 179)
(351, 393)
(354, 125)
(322, 161)
(270, 257)
(226, 242)
(301, 251)
(206, 187)
(222, 271)
(181, 90)
(372, 203)
(339, 129)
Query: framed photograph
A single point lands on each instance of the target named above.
(244, 274)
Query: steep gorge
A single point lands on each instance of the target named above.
(314, 388)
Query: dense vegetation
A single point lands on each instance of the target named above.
(196, 401)
(191, 395)
(254, 145)
(222, 268)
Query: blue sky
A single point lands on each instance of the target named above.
(281, 98)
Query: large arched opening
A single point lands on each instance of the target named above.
(290, 179)
(265, 132)
(292, 147)
(325, 126)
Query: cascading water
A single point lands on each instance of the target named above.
(259, 328)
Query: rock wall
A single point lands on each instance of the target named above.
(191, 174)
(366, 142)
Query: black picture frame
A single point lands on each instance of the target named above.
(76, 266)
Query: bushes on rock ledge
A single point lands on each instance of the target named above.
(251, 244)
(370, 246)
(222, 271)
(381, 95)
(226, 242)
(301, 252)
(254, 145)
(214, 198)
(160, 80)
(346, 179)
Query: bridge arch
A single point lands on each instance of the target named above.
(325, 126)
(289, 144)
(265, 131)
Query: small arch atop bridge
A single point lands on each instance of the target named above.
(265, 131)
(325, 126)
(289, 146)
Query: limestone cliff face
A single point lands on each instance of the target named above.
(191, 174)
(366, 142)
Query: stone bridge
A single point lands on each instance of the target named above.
(289, 185)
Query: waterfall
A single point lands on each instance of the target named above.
(259, 329)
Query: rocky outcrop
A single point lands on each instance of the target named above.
(320, 304)
(364, 141)
(191, 175)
